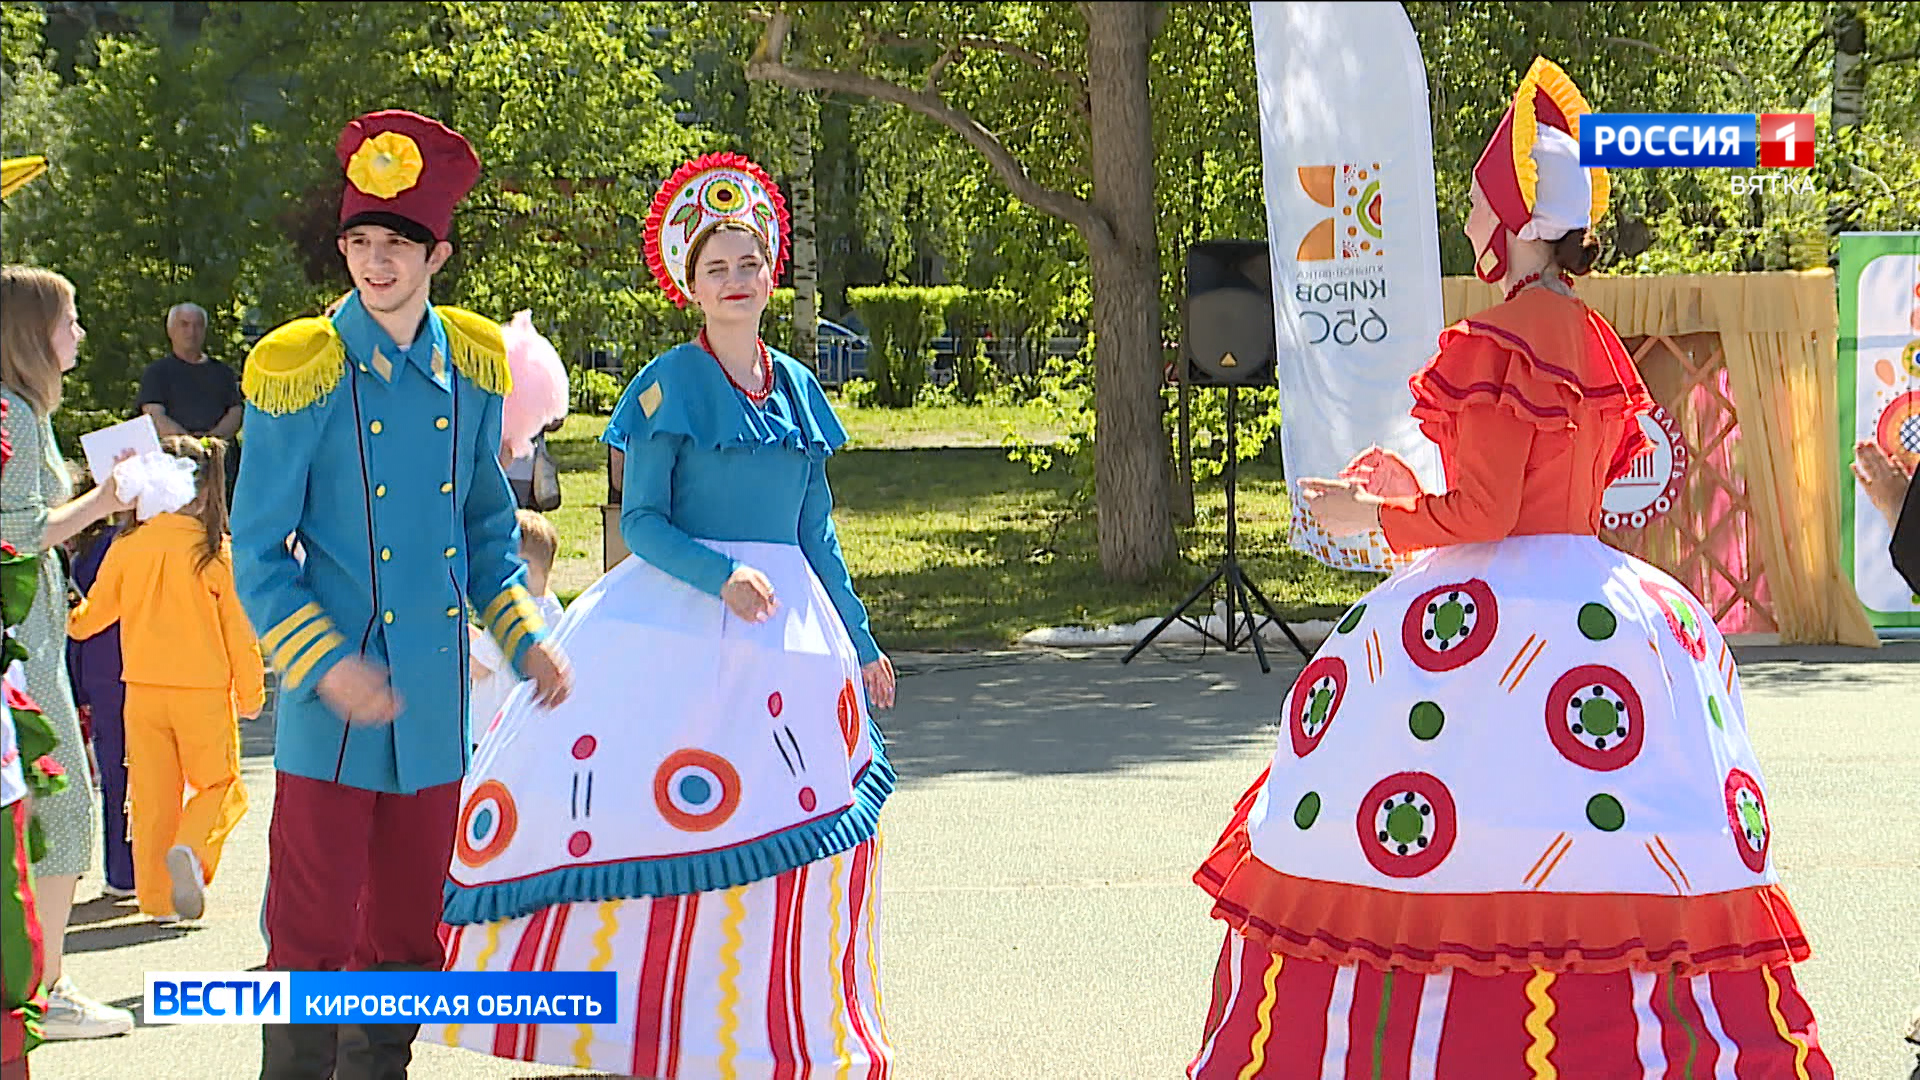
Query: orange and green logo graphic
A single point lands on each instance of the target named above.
(1354, 231)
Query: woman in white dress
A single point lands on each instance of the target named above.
(701, 816)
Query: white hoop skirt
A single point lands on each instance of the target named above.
(1519, 761)
(700, 817)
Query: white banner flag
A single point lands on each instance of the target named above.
(1354, 243)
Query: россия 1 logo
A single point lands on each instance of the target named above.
(1703, 141)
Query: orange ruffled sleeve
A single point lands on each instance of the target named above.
(1506, 391)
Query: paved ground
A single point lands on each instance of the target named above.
(1038, 921)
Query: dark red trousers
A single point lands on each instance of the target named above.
(354, 876)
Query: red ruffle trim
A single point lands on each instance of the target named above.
(1483, 363)
(1551, 376)
(1489, 934)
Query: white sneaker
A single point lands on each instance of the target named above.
(189, 884)
(73, 1015)
(111, 893)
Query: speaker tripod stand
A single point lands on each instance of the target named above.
(1241, 593)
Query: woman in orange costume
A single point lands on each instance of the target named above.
(1513, 827)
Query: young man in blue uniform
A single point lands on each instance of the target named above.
(372, 441)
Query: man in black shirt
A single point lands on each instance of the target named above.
(188, 392)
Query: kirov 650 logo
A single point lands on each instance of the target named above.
(1705, 141)
(1355, 232)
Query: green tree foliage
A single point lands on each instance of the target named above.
(199, 165)
(562, 103)
(902, 323)
(33, 120)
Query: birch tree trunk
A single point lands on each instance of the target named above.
(806, 253)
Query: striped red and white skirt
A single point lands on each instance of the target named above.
(774, 980)
(1277, 1017)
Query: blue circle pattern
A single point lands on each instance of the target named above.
(695, 790)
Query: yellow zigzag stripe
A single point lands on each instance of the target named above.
(602, 952)
(479, 964)
(1780, 1025)
(835, 896)
(729, 974)
(1265, 1032)
(1537, 1020)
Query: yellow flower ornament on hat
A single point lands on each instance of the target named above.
(703, 193)
(386, 165)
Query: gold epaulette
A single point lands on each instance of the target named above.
(479, 351)
(294, 366)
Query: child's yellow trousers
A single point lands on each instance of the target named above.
(177, 738)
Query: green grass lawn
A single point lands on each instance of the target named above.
(951, 545)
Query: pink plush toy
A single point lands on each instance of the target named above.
(539, 396)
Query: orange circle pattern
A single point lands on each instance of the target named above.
(495, 792)
(722, 770)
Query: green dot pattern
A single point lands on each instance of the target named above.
(1317, 710)
(1597, 621)
(1449, 619)
(1404, 823)
(1713, 709)
(1599, 717)
(1684, 613)
(1606, 813)
(1426, 719)
(1308, 810)
(1354, 615)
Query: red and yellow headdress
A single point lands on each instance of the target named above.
(1530, 171)
(701, 194)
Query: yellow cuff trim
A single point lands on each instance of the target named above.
(298, 672)
(521, 611)
(501, 602)
(271, 641)
(285, 655)
(513, 640)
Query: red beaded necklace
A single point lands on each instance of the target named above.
(760, 396)
(1533, 277)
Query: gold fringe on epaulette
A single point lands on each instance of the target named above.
(482, 362)
(295, 386)
(487, 369)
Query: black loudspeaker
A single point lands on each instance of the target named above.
(1228, 314)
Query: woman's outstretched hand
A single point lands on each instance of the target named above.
(1383, 473)
(1341, 508)
(878, 675)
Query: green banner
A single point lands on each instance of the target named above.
(1879, 400)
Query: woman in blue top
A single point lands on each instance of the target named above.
(700, 817)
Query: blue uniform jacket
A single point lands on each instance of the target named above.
(383, 464)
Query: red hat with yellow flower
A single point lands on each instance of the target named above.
(1530, 171)
(404, 171)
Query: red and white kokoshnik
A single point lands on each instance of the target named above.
(706, 191)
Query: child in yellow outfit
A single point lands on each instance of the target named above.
(190, 661)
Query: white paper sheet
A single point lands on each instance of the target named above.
(103, 447)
